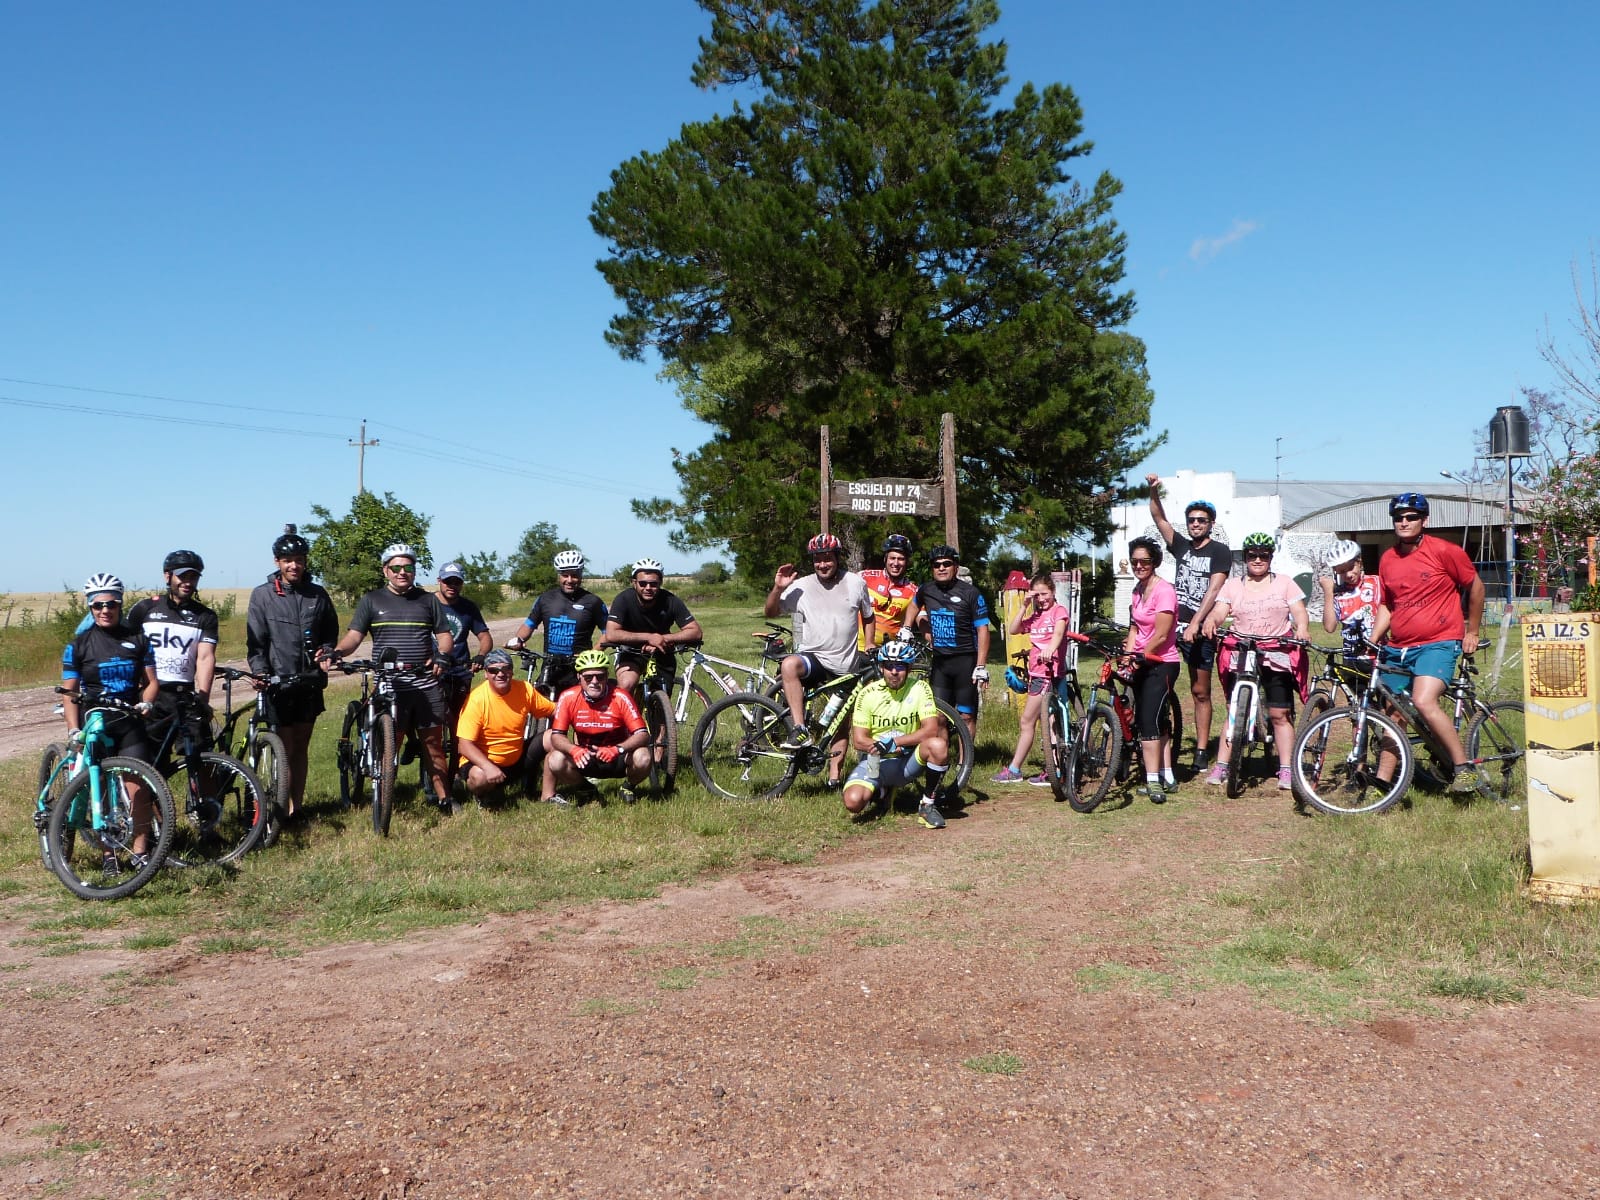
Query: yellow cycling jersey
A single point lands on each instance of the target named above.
(879, 710)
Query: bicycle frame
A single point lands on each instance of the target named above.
(756, 678)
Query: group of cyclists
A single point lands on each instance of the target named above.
(1412, 610)
(165, 645)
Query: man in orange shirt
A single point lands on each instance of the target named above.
(491, 730)
(891, 591)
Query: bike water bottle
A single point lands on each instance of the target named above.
(873, 764)
(831, 709)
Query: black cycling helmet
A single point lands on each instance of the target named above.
(290, 544)
(897, 541)
(939, 552)
(1409, 502)
(182, 560)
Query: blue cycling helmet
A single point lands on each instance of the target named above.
(897, 654)
(1017, 681)
(1204, 506)
(1409, 502)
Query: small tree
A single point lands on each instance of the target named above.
(345, 551)
(485, 579)
(531, 569)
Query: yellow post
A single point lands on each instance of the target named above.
(1561, 679)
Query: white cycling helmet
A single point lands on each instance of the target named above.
(398, 550)
(569, 560)
(1343, 551)
(102, 582)
(647, 564)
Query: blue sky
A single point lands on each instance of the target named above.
(1347, 229)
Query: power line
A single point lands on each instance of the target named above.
(68, 387)
(19, 402)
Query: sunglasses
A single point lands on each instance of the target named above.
(644, 583)
(407, 570)
(1199, 520)
(1141, 562)
(497, 670)
(594, 677)
(944, 562)
(103, 605)
(1398, 517)
(1258, 554)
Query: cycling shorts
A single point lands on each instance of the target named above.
(617, 768)
(300, 705)
(1200, 654)
(951, 677)
(420, 708)
(666, 669)
(813, 674)
(892, 773)
(1437, 660)
(1152, 684)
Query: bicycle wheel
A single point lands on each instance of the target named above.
(99, 864)
(959, 738)
(663, 743)
(1097, 749)
(1497, 737)
(1240, 738)
(352, 766)
(1317, 703)
(735, 748)
(1334, 766)
(385, 757)
(1060, 752)
(222, 811)
(269, 763)
(53, 754)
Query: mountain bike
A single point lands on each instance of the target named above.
(367, 749)
(1247, 729)
(655, 704)
(221, 806)
(1337, 685)
(1104, 745)
(87, 830)
(1336, 757)
(694, 699)
(257, 744)
(737, 746)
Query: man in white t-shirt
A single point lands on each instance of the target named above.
(831, 607)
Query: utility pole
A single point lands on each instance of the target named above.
(361, 457)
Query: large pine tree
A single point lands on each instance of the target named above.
(874, 241)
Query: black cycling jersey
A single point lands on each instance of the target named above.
(954, 614)
(633, 617)
(465, 618)
(405, 624)
(175, 633)
(569, 622)
(107, 662)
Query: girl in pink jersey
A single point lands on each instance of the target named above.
(1045, 623)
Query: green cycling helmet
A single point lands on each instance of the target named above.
(592, 660)
(1259, 541)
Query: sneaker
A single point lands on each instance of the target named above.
(798, 739)
(930, 816)
(1009, 775)
(1285, 784)
(559, 801)
(627, 795)
(1039, 780)
(1156, 794)
(1202, 760)
(1218, 774)
(1169, 781)
(1466, 780)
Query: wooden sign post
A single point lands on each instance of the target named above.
(895, 496)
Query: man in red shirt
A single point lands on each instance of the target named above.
(891, 591)
(597, 733)
(1422, 578)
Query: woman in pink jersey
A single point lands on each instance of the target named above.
(1264, 604)
(1045, 622)
(1152, 645)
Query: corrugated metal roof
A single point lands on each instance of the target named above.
(1352, 506)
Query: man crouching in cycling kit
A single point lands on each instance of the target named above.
(571, 616)
(182, 633)
(597, 733)
(411, 625)
(900, 735)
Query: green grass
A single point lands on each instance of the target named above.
(1002, 1063)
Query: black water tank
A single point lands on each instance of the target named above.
(1508, 432)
